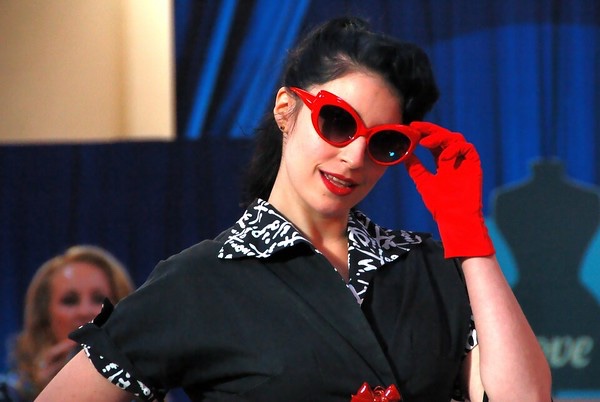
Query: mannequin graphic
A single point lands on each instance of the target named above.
(548, 223)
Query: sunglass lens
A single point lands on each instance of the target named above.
(389, 146)
(336, 124)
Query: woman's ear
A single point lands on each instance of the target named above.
(284, 106)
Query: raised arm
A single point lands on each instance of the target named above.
(508, 363)
(80, 381)
(511, 365)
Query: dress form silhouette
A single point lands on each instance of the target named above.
(548, 223)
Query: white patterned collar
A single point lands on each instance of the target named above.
(262, 231)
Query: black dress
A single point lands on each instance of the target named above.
(258, 314)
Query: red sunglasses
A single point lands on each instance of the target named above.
(339, 124)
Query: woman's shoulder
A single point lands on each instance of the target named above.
(204, 250)
(197, 261)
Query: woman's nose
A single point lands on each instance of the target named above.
(88, 310)
(354, 154)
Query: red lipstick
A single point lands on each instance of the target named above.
(337, 184)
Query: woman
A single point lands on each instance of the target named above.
(305, 298)
(66, 292)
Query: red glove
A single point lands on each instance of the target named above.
(453, 193)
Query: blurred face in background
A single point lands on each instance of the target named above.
(77, 291)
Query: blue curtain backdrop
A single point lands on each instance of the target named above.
(519, 78)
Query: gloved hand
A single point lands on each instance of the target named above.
(453, 193)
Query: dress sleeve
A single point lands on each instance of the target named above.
(472, 337)
(148, 344)
(109, 362)
(471, 342)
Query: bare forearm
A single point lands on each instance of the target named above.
(79, 381)
(512, 363)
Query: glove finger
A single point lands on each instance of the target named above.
(463, 149)
(415, 168)
(441, 139)
(458, 155)
(434, 136)
(425, 127)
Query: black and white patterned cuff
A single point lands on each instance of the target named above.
(109, 361)
(120, 377)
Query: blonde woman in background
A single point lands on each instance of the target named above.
(66, 292)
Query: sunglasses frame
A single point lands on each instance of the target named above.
(325, 98)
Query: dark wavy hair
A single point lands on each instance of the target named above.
(332, 50)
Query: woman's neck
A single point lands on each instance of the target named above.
(327, 233)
